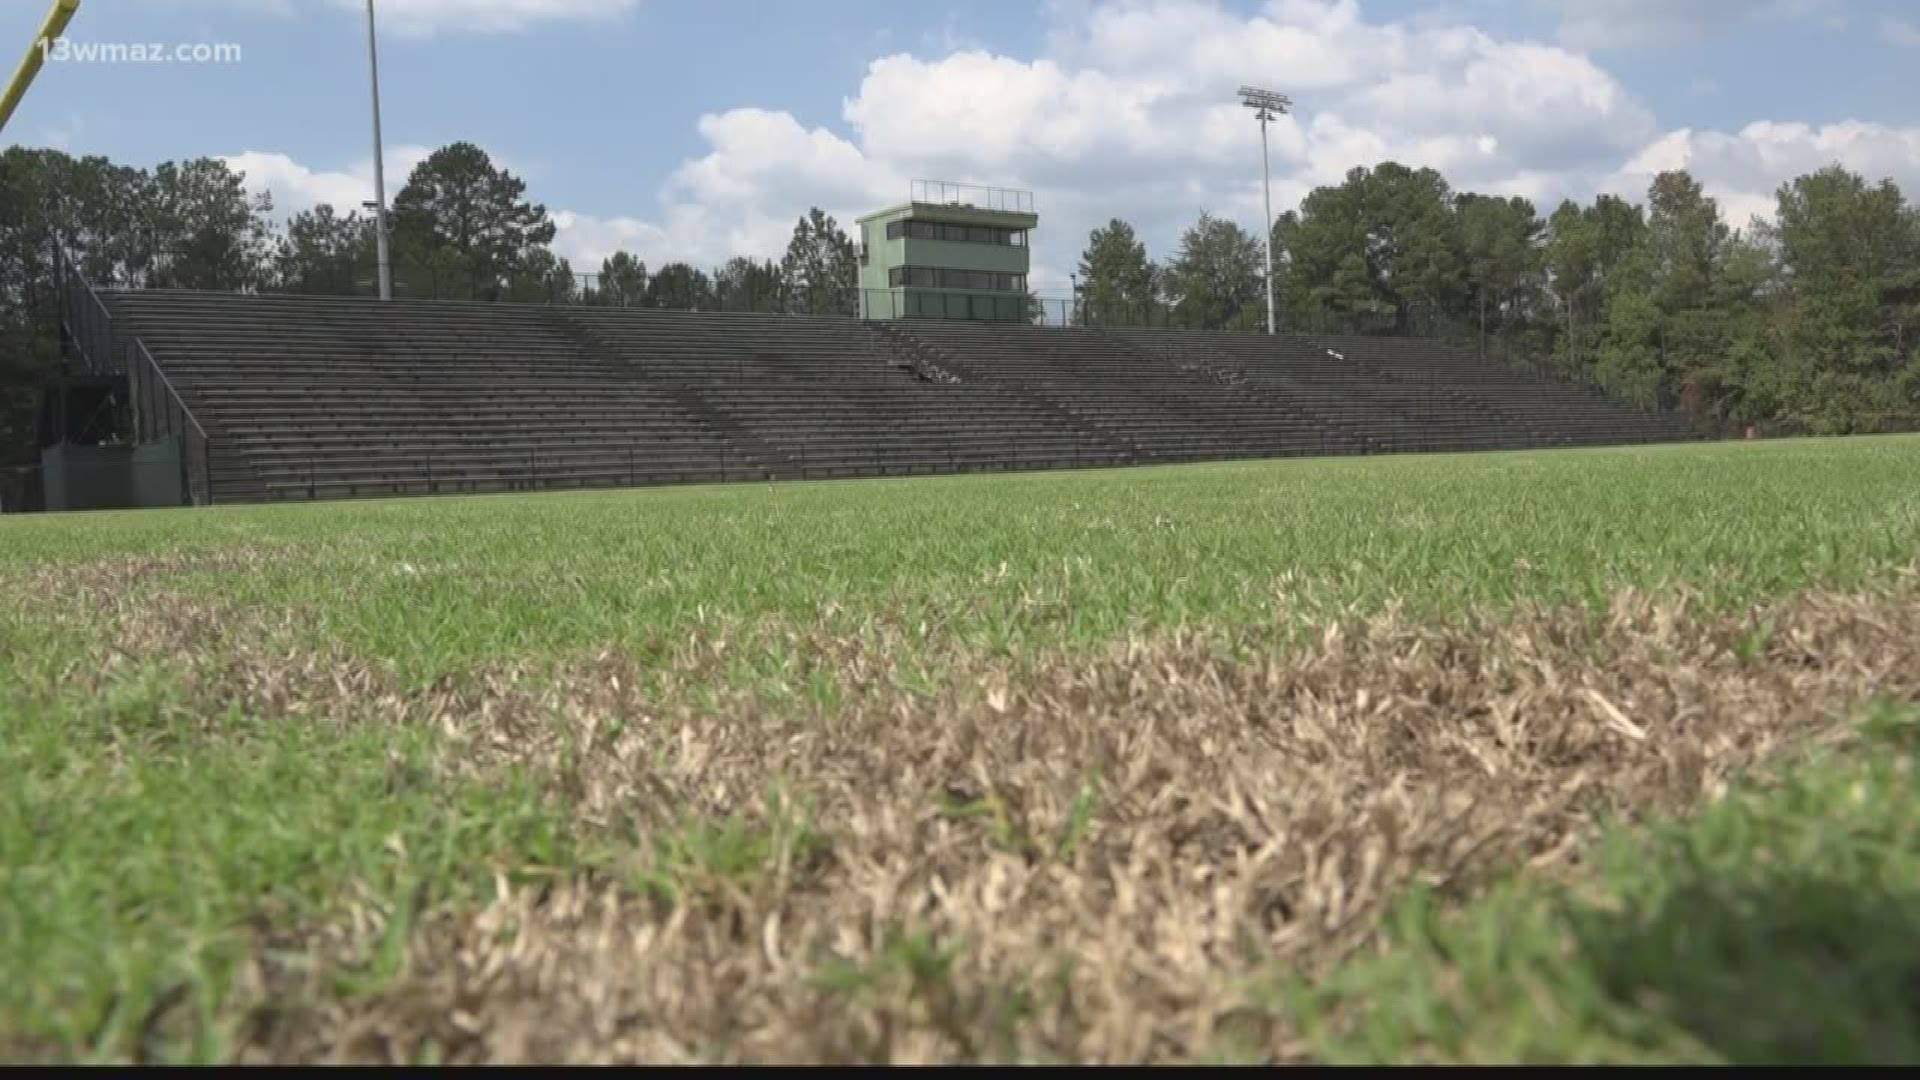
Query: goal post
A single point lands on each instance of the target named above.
(58, 15)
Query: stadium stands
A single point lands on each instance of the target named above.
(830, 397)
(323, 397)
(319, 397)
(1411, 394)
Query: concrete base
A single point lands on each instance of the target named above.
(80, 477)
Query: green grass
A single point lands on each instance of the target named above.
(1016, 562)
(144, 833)
(696, 854)
(141, 841)
(1779, 926)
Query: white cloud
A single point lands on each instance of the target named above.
(761, 172)
(296, 187)
(1131, 112)
(419, 17)
(1900, 31)
(416, 18)
(1134, 112)
(754, 150)
(1603, 24)
(1743, 170)
(61, 134)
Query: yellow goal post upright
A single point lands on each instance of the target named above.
(58, 15)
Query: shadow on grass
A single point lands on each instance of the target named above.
(1780, 925)
(1786, 928)
(1798, 970)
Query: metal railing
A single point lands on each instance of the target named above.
(558, 465)
(970, 305)
(88, 323)
(1034, 309)
(160, 412)
(452, 468)
(979, 196)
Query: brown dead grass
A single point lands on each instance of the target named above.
(1088, 858)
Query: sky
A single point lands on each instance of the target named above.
(699, 130)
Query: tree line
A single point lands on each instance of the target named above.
(1807, 322)
(460, 228)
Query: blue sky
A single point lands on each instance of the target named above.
(701, 129)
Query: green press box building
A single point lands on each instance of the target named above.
(955, 251)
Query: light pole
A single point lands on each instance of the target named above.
(1267, 105)
(379, 168)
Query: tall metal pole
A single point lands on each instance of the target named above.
(1266, 185)
(1266, 104)
(379, 168)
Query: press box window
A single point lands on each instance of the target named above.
(956, 234)
(930, 277)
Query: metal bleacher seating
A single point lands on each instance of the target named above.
(307, 397)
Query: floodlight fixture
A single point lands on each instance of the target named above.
(1266, 105)
(1266, 100)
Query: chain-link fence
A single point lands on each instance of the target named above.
(701, 291)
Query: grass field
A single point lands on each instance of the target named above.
(1578, 756)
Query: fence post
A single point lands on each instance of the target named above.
(143, 416)
(186, 470)
(136, 406)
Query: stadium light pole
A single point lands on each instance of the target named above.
(1267, 105)
(379, 168)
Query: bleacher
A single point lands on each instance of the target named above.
(1416, 394)
(1554, 412)
(321, 397)
(1163, 410)
(318, 397)
(824, 397)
